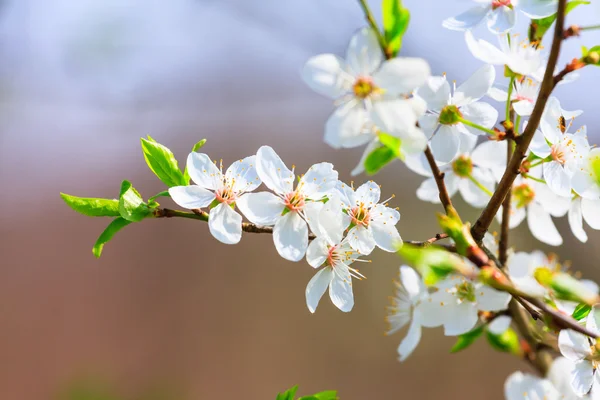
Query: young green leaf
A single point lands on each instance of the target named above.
(539, 27)
(507, 342)
(131, 204)
(92, 207)
(162, 162)
(395, 22)
(164, 193)
(195, 148)
(466, 339)
(288, 394)
(377, 159)
(115, 226)
(326, 395)
(581, 311)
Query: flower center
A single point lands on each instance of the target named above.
(360, 215)
(501, 3)
(226, 195)
(450, 115)
(363, 87)
(557, 152)
(463, 166)
(523, 194)
(294, 201)
(466, 291)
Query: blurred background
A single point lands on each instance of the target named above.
(168, 312)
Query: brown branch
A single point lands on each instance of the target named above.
(523, 141)
(506, 209)
(439, 179)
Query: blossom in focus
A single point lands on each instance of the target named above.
(218, 190)
(523, 96)
(288, 207)
(371, 223)
(442, 123)
(371, 93)
(410, 292)
(500, 15)
(520, 57)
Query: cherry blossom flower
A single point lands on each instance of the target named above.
(333, 252)
(442, 122)
(410, 292)
(369, 89)
(521, 268)
(456, 303)
(520, 386)
(219, 191)
(585, 181)
(520, 57)
(287, 208)
(523, 96)
(499, 325)
(560, 374)
(471, 173)
(582, 350)
(500, 15)
(371, 223)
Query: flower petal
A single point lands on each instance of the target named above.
(475, 87)
(445, 143)
(317, 253)
(325, 75)
(490, 299)
(573, 345)
(410, 341)
(348, 126)
(273, 172)
(485, 51)
(582, 377)
(500, 324)
(461, 318)
(191, 197)
(538, 8)
(361, 240)
(396, 117)
(541, 225)
(290, 236)
(263, 208)
(469, 19)
(319, 181)
(386, 236)
(502, 20)
(360, 167)
(364, 53)
(557, 178)
(317, 287)
(368, 193)
(591, 212)
(435, 92)
(429, 123)
(524, 108)
(576, 220)
(490, 154)
(340, 290)
(480, 113)
(402, 75)
(203, 171)
(243, 176)
(225, 224)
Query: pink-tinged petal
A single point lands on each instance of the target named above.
(435, 92)
(480, 113)
(263, 208)
(502, 20)
(348, 126)
(576, 220)
(410, 341)
(203, 171)
(273, 172)
(402, 75)
(243, 176)
(484, 51)
(573, 345)
(541, 225)
(317, 287)
(557, 178)
(317, 253)
(225, 224)
(364, 53)
(191, 197)
(524, 108)
(340, 289)
(474, 88)
(445, 143)
(461, 318)
(591, 212)
(290, 236)
(361, 240)
(469, 19)
(319, 180)
(325, 75)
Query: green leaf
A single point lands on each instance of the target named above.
(326, 395)
(539, 27)
(507, 342)
(115, 226)
(92, 207)
(581, 311)
(389, 150)
(395, 23)
(288, 394)
(195, 148)
(131, 204)
(466, 339)
(162, 162)
(164, 193)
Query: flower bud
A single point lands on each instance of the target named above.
(434, 264)
(565, 286)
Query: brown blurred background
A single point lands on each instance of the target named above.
(168, 312)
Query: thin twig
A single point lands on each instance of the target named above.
(523, 141)
(506, 209)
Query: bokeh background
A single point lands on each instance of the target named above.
(168, 312)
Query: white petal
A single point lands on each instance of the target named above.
(290, 236)
(402, 75)
(364, 54)
(499, 325)
(263, 208)
(317, 287)
(467, 20)
(317, 252)
(418, 164)
(538, 8)
(541, 225)
(497, 93)
(584, 185)
(489, 299)
(475, 87)
(480, 113)
(502, 20)
(348, 126)
(582, 377)
(386, 236)
(430, 314)
(490, 154)
(325, 75)
(412, 283)
(396, 117)
(243, 176)
(484, 51)
(319, 180)
(312, 210)
(428, 191)
(191, 197)
(435, 92)
(573, 345)
(273, 172)
(340, 290)
(553, 204)
(591, 212)
(460, 319)
(473, 193)
(557, 178)
(592, 322)
(333, 221)
(410, 341)
(523, 108)
(429, 123)
(225, 224)
(576, 220)
(445, 143)
(413, 141)
(368, 193)
(361, 240)
(203, 171)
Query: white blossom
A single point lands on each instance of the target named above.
(560, 374)
(212, 186)
(520, 386)
(287, 209)
(523, 96)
